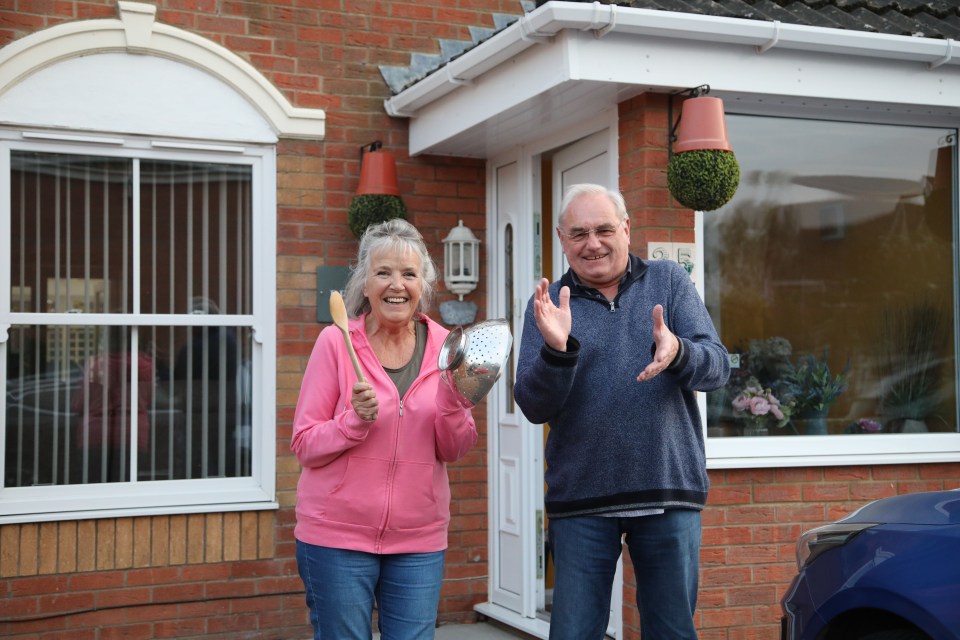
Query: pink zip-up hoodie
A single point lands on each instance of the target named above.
(379, 488)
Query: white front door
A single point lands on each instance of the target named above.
(512, 445)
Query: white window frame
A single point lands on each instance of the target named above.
(833, 450)
(131, 84)
(256, 492)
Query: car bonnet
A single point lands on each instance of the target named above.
(928, 508)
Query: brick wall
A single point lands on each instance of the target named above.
(214, 575)
(234, 575)
(147, 577)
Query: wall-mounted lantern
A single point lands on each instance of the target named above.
(461, 273)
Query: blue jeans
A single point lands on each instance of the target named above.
(665, 550)
(342, 585)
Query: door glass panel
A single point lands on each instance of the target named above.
(508, 297)
(837, 250)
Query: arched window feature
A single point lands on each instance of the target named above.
(137, 314)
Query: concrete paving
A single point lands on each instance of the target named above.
(478, 631)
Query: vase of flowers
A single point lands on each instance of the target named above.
(814, 390)
(760, 409)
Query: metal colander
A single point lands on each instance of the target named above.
(474, 357)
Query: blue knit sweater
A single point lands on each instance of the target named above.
(616, 444)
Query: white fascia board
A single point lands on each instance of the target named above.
(663, 64)
(541, 27)
(576, 71)
(767, 35)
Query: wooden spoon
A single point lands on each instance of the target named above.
(338, 311)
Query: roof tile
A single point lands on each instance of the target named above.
(923, 18)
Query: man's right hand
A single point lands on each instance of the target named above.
(553, 321)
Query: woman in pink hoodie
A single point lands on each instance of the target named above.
(373, 501)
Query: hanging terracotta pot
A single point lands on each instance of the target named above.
(378, 174)
(702, 126)
(703, 174)
(378, 194)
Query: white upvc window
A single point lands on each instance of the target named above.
(137, 323)
(832, 279)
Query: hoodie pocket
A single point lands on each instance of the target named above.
(414, 499)
(359, 496)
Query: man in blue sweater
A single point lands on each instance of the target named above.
(610, 357)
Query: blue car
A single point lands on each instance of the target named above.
(889, 571)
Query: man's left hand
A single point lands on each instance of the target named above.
(666, 344)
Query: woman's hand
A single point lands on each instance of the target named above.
(364, 401)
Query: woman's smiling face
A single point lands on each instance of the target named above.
(394, 285)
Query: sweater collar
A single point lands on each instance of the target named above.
(636, 268)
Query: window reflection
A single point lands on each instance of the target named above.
(117, 402)
(830, 276)
(179, 408)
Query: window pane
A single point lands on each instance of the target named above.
(70, 416)
(75, 393)
(196, 227)
(837, 249)
(209, 378)
(72, 228)
(41, 384)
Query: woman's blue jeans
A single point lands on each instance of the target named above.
(665, 550)
(342, 585)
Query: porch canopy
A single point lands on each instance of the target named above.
(564, 61)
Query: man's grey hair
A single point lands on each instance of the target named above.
(575, 191)
(397, 234)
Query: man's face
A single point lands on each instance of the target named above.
(594, 240)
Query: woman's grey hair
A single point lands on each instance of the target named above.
(574, 191)
(397, 234)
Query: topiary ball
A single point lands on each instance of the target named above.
(703, 180)
(372, 208)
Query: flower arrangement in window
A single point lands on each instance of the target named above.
(767, 361)
(815, 389)
(758, 394)
(769, 390)
(760, 407)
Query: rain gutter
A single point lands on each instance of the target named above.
(543, 24)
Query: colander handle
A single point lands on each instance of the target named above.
(452, 350)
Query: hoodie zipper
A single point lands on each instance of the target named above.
(392, 473)
(390, 478)
(378, 543)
